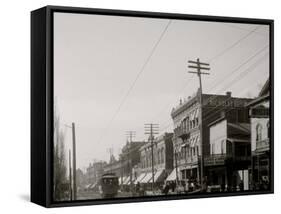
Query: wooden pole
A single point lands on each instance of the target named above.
(74, 161)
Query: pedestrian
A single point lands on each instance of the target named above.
(173, 186)
(241, 186)
(138, 188)
(166, 188)
(204, 187)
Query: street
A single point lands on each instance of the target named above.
(85, 195)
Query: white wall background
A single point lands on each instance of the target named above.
(15, 107)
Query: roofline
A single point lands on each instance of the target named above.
(257, 100)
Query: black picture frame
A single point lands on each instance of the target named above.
(42, 101)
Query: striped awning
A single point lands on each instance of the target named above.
(147, 178)
(140, 178)
(172, 176)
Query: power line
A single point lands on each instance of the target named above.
(136, 79)
(233, 45)
(247, 71)
(243, 29)
(235, 70)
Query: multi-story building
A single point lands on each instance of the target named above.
(227, 165)
(157, 167)
(260, 138)
(94, 172)
(187, 139)
(129, 160)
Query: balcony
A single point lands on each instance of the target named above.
(215, 160)
(262, 145)
(222, 159)
(188, 160)
(182, 132)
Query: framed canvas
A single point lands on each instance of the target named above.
(133, 106)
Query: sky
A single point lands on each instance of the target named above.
(113, 74)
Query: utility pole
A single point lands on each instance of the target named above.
(151, 129)
(74, 161)
(130, 135)
(70, 176)
(199, 66)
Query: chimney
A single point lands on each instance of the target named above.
(180, 101)
(228, 93)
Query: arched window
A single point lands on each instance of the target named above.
(258, 132)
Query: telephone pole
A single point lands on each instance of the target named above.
(151, 129)
(74, 161)
(199, 66)
(70, 176)
(130, 135)
(74, 190)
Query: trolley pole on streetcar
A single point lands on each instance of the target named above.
(199, 66)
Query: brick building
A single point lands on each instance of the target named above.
(162, 160)
(187, 139)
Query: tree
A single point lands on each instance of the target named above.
(59, 161)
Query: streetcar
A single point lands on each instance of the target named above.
(109, 185)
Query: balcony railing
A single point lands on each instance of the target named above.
(220, 159)
(188, 160)
(181, 132)
(214, 160)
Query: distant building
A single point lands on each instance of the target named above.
(260, 138)
(94, 172)
(80, 179)
(129, 160)
(114, 166)
(186, 119)
(162, 160)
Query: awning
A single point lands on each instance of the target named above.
(126, 180)
(147, 178)
(87, 186)
(139, 178)
(238, 140)
(120, 180)
(92, 186)
(159, 176)
(172, 176)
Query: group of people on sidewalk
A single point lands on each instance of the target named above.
(169, 187)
